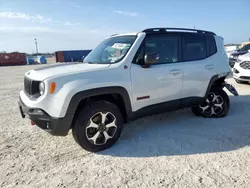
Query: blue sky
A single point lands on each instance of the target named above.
(82, 24)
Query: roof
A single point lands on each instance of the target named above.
(164, 30)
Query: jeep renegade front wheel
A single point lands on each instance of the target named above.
(98, 126)
(216, 105)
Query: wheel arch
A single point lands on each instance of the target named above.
(216, 82)
(115, 94)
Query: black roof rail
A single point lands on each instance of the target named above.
(164, 30)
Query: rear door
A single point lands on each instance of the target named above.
(200, 60)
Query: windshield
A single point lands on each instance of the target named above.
(111, 50)
(245, 48)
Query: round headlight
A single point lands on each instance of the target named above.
(41, 88)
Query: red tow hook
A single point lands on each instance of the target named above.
(32, 123)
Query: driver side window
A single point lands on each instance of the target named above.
(163, 47)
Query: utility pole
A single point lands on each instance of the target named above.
(36, 46)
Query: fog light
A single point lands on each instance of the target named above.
(235, 71)
(48, 125)
(36, 111)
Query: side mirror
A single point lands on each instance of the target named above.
(150, 59)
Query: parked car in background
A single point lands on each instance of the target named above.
(241, 70)
(230, 48)
(234, 56)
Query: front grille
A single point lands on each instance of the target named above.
(245, 65)
(245, 77)
(31, 87)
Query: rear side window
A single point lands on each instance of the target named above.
(194, 47)
(211, 45)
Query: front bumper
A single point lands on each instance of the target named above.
(241, 74)
(243, 78)
(54, 126)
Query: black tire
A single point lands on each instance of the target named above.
(240, 82)
(222, 112)
(79, 129)
(196, 111)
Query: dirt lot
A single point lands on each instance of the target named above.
(169, 150)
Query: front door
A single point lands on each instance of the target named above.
(162, 81)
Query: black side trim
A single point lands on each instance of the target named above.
(165, 107)
(191, 101)
(155, 109)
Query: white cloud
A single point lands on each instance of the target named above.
(125, 13)
(27, 29)
(72, 24)
(23, 16)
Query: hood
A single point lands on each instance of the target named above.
(47, 71)
(239, 53)
(245, 57)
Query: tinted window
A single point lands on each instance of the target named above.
(245, 48)
(194, 47)
(165, 46)
(248, 47)
(211, 45)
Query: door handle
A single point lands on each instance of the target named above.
(209, 67)
(175, 71)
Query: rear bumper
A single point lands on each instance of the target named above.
(54, 126)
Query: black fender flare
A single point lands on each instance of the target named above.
(78, 97)
(216, 78)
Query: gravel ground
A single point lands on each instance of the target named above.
(173, 149)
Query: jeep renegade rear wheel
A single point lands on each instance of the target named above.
(98, 126)
(216, 105)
